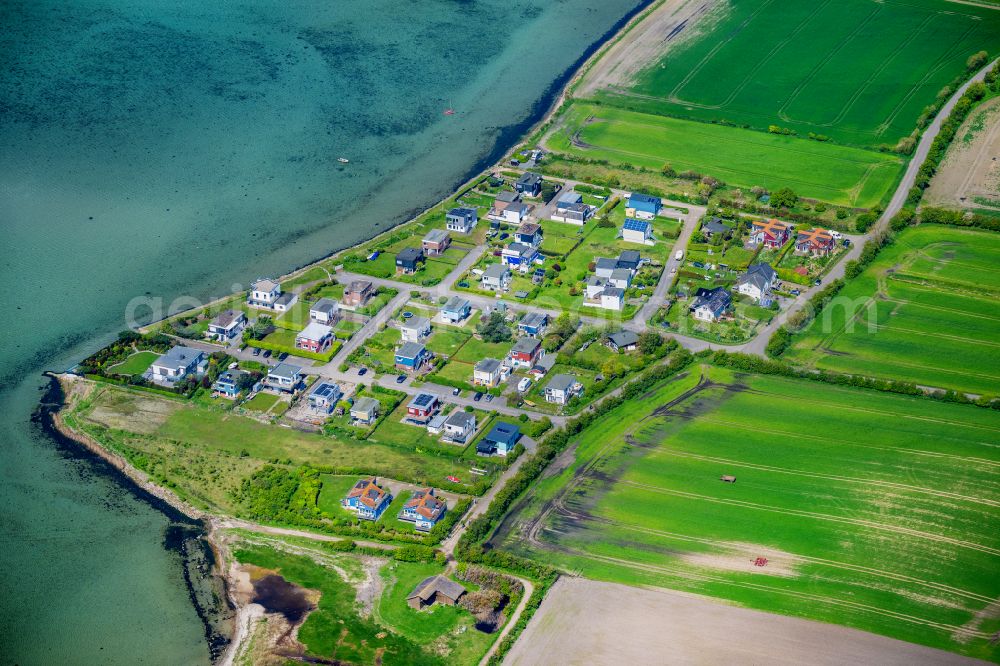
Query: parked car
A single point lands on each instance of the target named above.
(256, 351)
(282, 356)
(847, 242)
(267, 353)
(504, 236)
(489, 397)
(400, 379)
(796, 292)
(456, 391)
(362, 370)
(818, 282)
(477, 397)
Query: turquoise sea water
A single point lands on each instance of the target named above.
(175, 150)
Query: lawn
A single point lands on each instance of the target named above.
(870, 509)
(262, 402)
(836, 174)
(283, 340)
(336, 632)
(204, 453)
(927, 310)
(136, 364)
(856, 71)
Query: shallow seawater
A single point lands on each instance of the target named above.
(176, 151)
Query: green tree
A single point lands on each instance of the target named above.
(650, 342)
(784, 198)
(494, 328)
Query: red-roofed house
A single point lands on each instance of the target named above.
(770, 233)
(423, 509)
(367, 499)
(815, 242)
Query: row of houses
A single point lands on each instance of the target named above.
(775, 233)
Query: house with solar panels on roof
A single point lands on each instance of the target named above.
(637, 231)
(643, 206)
(324, 397)
(367, 499)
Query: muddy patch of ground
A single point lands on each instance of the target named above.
(971, 168)
(746, 558)
(121, 410)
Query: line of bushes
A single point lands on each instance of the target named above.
(755, 364)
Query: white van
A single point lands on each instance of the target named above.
(523, 385)
(679, 255)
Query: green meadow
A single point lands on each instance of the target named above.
(837, 174)
(927, 310)
(853, 507)
(857, 71)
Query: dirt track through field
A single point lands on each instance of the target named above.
(660, 626)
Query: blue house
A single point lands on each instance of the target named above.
(423, 509)
(520, 256)
(533, 324)
(367, 499)
(529, 183)
(643, 206)
(227, 385)
(409, 259)
(456, 309)
(500, 440)
(411, 356)
(529, 233)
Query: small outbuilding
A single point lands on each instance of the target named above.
(435, 589)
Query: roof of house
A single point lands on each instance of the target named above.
(771, 227)
(496, 271)
(605, 264)
(423, 400)
(416, 324)
(629, 257)
(533, 320)
(528, 229)
(314, 331)
(365, 405)
(621, 274)
(428, 587)
(357, 286)
(179, 357)
(814, 236)
(461, 419)
(715, 299)
(614, 292)
(561, 382)
(284, 371)
(463, 212)
(411, 350)
(624, 338)
(436, 422)
(763, 269)
(594, 281)
(529, 178)
(489, 365)
(643, 198)
(325, 390)
(632, 224)
(504, 433)
(436, 236)
(227, 317)
(425, 503)
(325, 305)
(230, 376)
(264, 284)
(285, 299)
(368, 492)
(507, 196)
(570, 197)
(410, 254)
(715, 226)
(525, 346)
(455, 304)
(519, 249)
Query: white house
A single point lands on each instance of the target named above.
(177, 364)
(757, 282)
(637, 231)
(263, 293)
(562, 388)
(459, 426)
(415, 329)
(496, 278)
(325, 311)
(621, 278)
(365, 410)
(487, 372)
(284, 377)
(600, 293)
(711, 304)
(461, 220)
(227, 325)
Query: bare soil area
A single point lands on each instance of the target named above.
(130, 411)
(590, 622)
(666, 25)
(971, 168)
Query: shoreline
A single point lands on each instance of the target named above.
(243, 617)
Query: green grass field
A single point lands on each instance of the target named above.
(860, 72)
(927, 310)
(136, 364)
(871, 509)
(837, 174)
